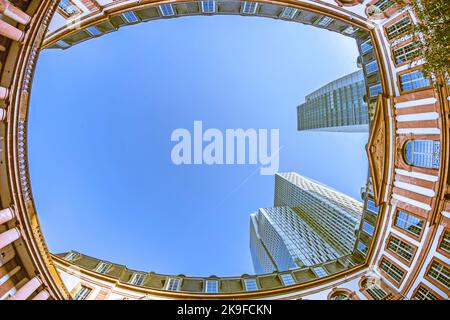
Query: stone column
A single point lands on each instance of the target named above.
(27, 289)
(6, 214)
(8, 237)
(7, 9)
(43, 295)
(10, 32)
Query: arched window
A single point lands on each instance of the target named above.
(340, 295)
(373, 288)
(422, 153)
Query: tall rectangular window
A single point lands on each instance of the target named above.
(68, 8)
(130, 17)
(366, 46)
(325, 21)
(413, 80)
(103, 267)
(406, 52)
(409, 223)
(137, 279)
(362, 247)
(422, 293)
(287, 279)
(445, 242)
(400, 27)
(384, 4)
(401, 248)
(372, 207)
(372, 67)
(208, 6)
(368, 228)
(71, 256)
(375, 90)
(82, 293)
(166, 10)
(320, 272)
(212, 286)
(173, 284)
(288, 13)
(440, 273)
(250, 285)
(394, 272)
(249, 7)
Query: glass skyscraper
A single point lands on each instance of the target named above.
(337, 106)
(310, 224)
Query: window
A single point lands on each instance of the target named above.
(445, 242)
(362, 247)
(372, 67)
(373, 289)
(440, 273)
(320, 272)
(368, 228)
(68, 8)
(250, 285)
(249, 7)
(401, 248)
(137, 279)
(406, 52)
(324, 21)
(130, 17)
(287, 279)
(372, 207)
(413, 80)
(288, 13)
(394, 272)
(173, 284)
(350, 30)
(208, 6)
(422, 293)
(422, 153)
(82, 293)
(400, 27)
(340, 295)
(409, 223)
(212, 286)
(384, 4)
(375, 90)
(93, 31)
(71, 256)
(366, 46)
(166, 10)
(103, 267)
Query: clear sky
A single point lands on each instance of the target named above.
(101, 118)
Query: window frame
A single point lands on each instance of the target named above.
(423, 285)
(441, 238)
(402, 45)
(404, 231)
(395, 254)
(411, 70)
(393, 22)
(405, 143)
(67, 16)
(388, 276)
(433, 280)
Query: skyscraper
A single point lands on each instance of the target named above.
(337, 106)
(311, 223)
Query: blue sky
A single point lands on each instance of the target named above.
(101, 118)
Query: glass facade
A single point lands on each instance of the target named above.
(366, 46)
(338, 104)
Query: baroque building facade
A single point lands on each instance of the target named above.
(402, 248)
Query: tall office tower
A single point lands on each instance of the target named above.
(310, 224)
(337, 106)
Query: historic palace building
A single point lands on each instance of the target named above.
(402, 248)
(337, 106)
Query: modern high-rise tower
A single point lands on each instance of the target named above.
(310, 224)
(337, 106)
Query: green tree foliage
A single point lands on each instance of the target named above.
(433, 28)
